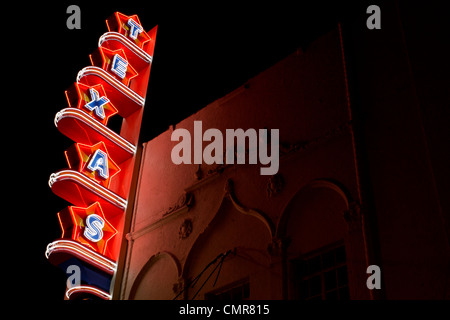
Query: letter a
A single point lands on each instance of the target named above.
(74, 21)
(216, 146)
(99, 162)
(374, 281)
(75, 276)
(183, 147)
(374, 21)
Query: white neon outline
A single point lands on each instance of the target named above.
(99, 72)
(134, 26)
(97, 126)
(94, 187)
(99, 166)
(108, 36)
(74, 247)
(94, 228)
(88, 289)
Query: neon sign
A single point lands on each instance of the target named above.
(91, 99)
(115, 62)
(130, 27)
(88, 226)
(97, 181)
(96, 104)
(93, 161)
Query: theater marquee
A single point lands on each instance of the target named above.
(97, 180)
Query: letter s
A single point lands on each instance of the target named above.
(94, 226)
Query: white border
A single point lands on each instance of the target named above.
(99, 72)
(127, 43)
(88, 289)
(97, 126)
(71, 245)
(96, 188)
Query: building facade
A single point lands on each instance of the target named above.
(361, 180)
(224, 230)
(339, 165)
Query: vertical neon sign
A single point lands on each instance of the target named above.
(97, 181)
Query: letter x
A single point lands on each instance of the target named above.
(97, 103)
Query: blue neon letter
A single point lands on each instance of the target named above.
(97, 103)
(94, 226)
(99, 162)
(119, 66)
(135, 29)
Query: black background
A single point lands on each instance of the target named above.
(203, 51)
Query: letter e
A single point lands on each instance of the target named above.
(119, 66)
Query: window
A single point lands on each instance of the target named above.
(321, 276)
(236, 291)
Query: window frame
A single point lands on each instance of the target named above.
(298, 279)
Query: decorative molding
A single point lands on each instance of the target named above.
(340, 189)
(286, 149)
(185, 229)
(202, 178)
(185, 200)
(184, 203)
(353, 215)
(276, 247)
(148, 265)
(179, 286)
(199, 173)
(229, 192)
(275, 185)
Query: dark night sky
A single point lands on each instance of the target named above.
(202, 52)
